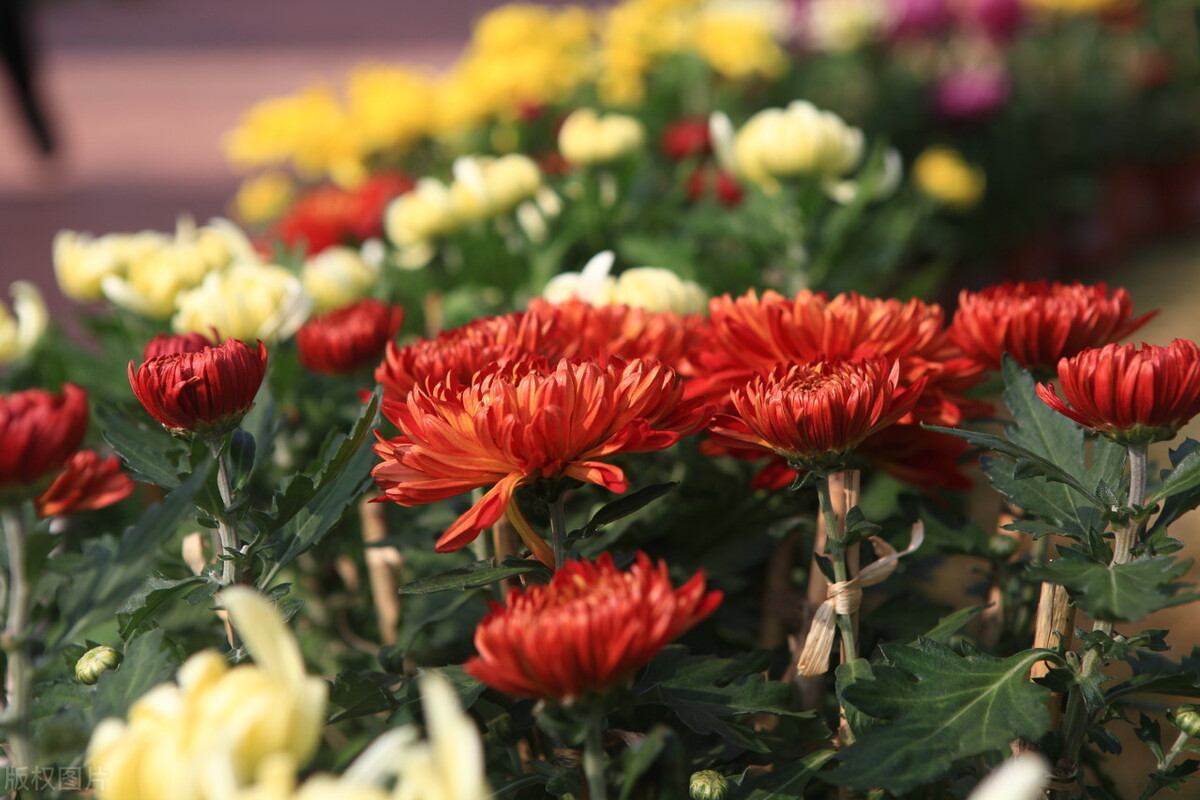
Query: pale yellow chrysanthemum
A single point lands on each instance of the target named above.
(789, 142)
(337, 277)
(944, 175)
(82, 261)
(210, 732)
(587, 137)
(248, 301)
(485, 187)
(652, 288)
(23, 327)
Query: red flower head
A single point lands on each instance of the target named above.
(1039, 323)
(165, 344)
(706, 180)
(206, 392)
(516, 424)
(89, 482)
(329, 215)
(815, 414)
(687, 138)
(39, 431)
(1131, 396)
(586, 331)
(751, 334)
(349, 338)
(587, 631)
(462, 352)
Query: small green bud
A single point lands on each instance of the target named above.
(95, 661)
(1187, 719)
(1001, 546)
(708, 784)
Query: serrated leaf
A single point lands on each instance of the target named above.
(953, 623)
(1183, 477)
(356, 694)
(1120, 593)
(109, 572)
(787, 780)
(325, 496)
(155, 594)
(150, 452)
(939, 707)
(1156, 674)
(1182, 501)
(477, 575)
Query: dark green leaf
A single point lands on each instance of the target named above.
(441, 611)
(1184, 476)
(787, 780)
(481, 573)
(623, 507)
(1124, 592)
(467, 687)
(323, 498)
(951, 624)
(639, 757)
(940, 707)
(148, 450)
(356, 694)
(847, 675)
(1155, 674)
(156, 593)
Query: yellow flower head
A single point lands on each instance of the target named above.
(943, 174)
(419, 217)
(485, 187)
(1078, 6)
(263, 197)
(21, 330)
(388, 107)
(586, 137)
(797, 140)
(216, 725)
(82, 262)
(652, 288)
(337, 277)
(249, 300)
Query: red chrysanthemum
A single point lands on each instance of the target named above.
(1131, 395)
(815, 414)
(349, 338)
(207, 391)
(583, 330)
(462, 352)
(165, 344)
(1039, 323)
(329, 215)
(526, 421)
(39, 431)
(687, 138)
(752, 334)
(88, 482)
(707, 179)
(587, 631)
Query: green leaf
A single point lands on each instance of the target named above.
(708, 694)
(411, 630)
(481, 573)
(623, 507)
(1184, 476)
(639, 757)
(148, 662)
(1180, 501)
(951, 624)
(357, 694)
(313, 504)
(109, 573)
(939, 707)
(786, 780)
(154, 595)
(1121, 593)
(1155, 674)
(149, 451)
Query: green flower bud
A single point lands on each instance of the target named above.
(1187, 719)
(95, 661)
(708, 784)
(1001, 546)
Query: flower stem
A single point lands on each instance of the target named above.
(593, 757)
(226, 520)
(558, 529)
(1126, 536)
(837, 555)
(19, 677)
(1168, 759)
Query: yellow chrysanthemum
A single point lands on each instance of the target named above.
(943, 174)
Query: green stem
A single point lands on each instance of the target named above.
(1177, 748)
(19, 677)
(593, 757)
(226, 520)
(1077, 717)
(558, 530)
(837, 555)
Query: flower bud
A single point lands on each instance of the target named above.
(708, 784)
(21, 330)
(943, 175)
(95, 661)
(1187, 719)
(1002, 546)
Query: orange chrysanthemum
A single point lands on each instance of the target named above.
(1131, 395)
(88, 482)
(1039, 323)
(462, 352)
(753, 334)
(587, 331)
(815, 414)
(525, 421)
(590, 629)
